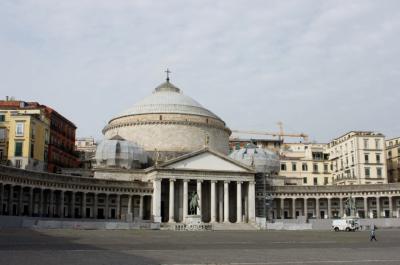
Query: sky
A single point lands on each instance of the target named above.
(320, 67)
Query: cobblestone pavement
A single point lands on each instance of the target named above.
(89, 247)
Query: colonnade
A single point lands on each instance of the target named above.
(20, 200)
(320, 207)
(216, 202)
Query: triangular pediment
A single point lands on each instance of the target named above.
(206, 160)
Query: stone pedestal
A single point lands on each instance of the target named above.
(193, 220)
(129, 217)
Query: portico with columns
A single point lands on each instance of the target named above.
(326, 202)
(225, 189)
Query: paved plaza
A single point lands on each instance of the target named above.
(87, 247)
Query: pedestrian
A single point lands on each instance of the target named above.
(372, 234)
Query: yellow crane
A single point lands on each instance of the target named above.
(280, 134)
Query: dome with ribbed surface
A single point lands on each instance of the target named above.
(119, 153)
(167, 98)
(263, 160)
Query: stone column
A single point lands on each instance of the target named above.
(31, 202)
(317, 213)
(157, 200)
(390, 198)
(129, 211)
(51, 203)
(41, 203)
(21, 203)
(305, 208)
(200, 208)
(252, 202)
(378, 208)
(84, 205)
(185, 200)
(366, 207)
(213, 202)
(294, 208)
(61, 210)
(10, 200)
(239, 202)
(141, 207)
(282, 208)
(226, 201)
(118, 211)
(171, 201)
(73, 197)
(107, 206)
(329, 208)
(220, 202)
(95, 205)
(340, 207)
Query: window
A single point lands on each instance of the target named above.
(377, 143)
(2, 117)
(326, 181)
(304, 180)
(315, 181)
(365, 143)
(32, 150)
(283, 167)
(326, 167)
(2, 134)
(294, 167)
(366, 158)
(378, 158)
(315, 167)
(46, 136)
(1, 154)
(33, 133)
(367, 172)
(19, 130)
(390, 154)
(304, 167)
(18, 164)
(18, 148)
(379, 172)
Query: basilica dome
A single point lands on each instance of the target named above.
(119, 153)
(171, 123)
(263, 160)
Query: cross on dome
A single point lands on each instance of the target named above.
(168, 72)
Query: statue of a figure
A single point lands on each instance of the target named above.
(194, 203)
(350, 206)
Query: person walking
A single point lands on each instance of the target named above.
(372, 234)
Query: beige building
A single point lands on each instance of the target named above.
(305, 164)
(392, 159)
(358, 157)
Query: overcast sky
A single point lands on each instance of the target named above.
(320, 67)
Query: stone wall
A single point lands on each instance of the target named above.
(174, 137)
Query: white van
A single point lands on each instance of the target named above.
(350, 224)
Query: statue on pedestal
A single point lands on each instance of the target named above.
(350, 207)
(194, 203)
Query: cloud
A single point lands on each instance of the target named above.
(321, 67)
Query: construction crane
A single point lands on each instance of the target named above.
(280, 134)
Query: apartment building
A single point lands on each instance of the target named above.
(393, 159)
(305, 164)
(358, 157)
(24, 136)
